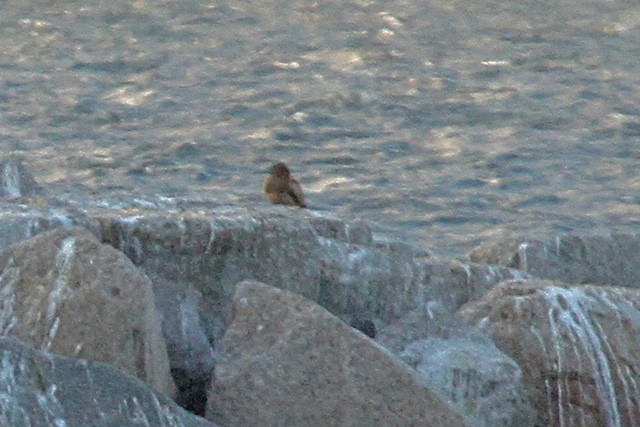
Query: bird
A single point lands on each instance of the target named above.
(281, 189)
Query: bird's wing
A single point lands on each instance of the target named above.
(295, 191)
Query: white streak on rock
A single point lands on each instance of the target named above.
(522, 253)
(11, 413)
(212, 236)
(62, 217)
(91, 391)
(11, 180)
(139, 415)
(571, 308)
(547, 385)
(51, 407)
(53, 330)
(60, 286)
(491, 273)
(8, 279)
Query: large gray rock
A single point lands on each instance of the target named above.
(40, 389)
(287, 361)
(578, 347)
(607, 260)
(463, 364)
(63, 291)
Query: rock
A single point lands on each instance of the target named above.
(287, 361)
(481, 382)
(578, 347)
(42, 389)
(432, 320)
(607, 260)
(386, 282)
(16, 181)
(190, 351)
(195, 254)
(63, 291)
(20, 222)
(207, 252)
(464, 365)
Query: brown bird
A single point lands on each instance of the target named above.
(281, 189)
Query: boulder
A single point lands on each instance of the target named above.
(15, 180)
(195, 253)
(577, 346)
(287, 361)
(463, 364)
(43, 389)
(606, 260)
(206, 252)
(63, 291)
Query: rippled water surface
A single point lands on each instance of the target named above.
(445, 122)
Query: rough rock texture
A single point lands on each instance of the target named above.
(42, 389)
(482, 382)
(190, 351)
(206, 252)
(578, 347)
(63, 291)
(287, 361)
(15, 180)
(607, 260)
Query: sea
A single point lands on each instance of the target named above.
(444, 123)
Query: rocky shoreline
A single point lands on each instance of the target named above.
(128, 312)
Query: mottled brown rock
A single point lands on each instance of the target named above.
(63, 291)
(287, 361)
(608, 259)
(578, 347)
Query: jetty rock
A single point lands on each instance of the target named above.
(463, 365)
(195, 253)
(487, 341)
(40, 388)
(201, 255)
(16, 181)
(607, 260)
(577, 346)
(288, 361)
(65, 292)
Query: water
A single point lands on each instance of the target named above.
(445, 123)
